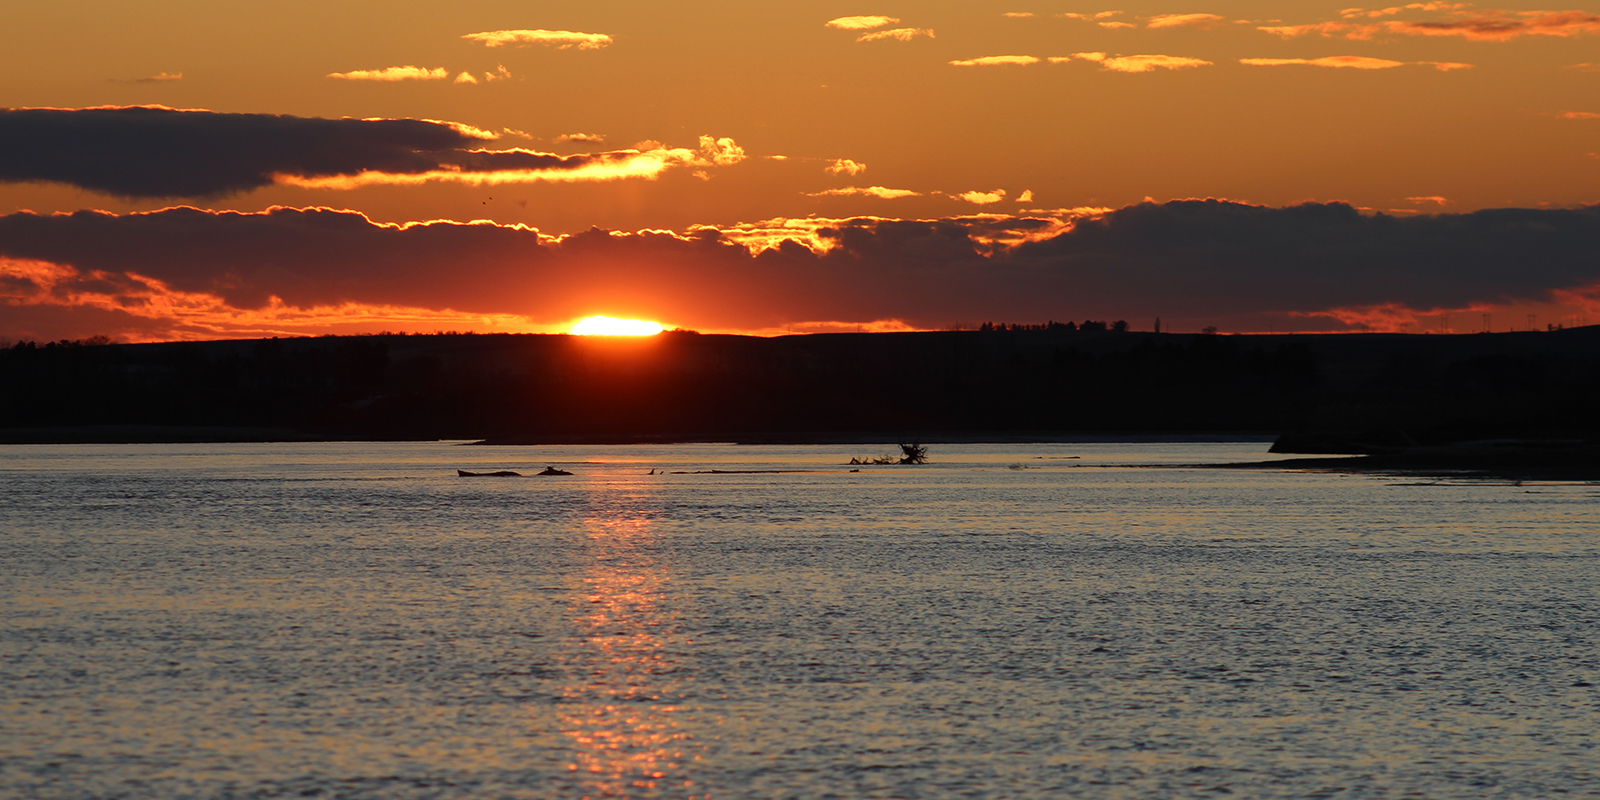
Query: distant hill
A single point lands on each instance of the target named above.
(684, 386)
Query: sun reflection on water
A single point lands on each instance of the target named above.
(618, 711)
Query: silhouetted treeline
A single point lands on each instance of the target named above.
(690, 386)
(1089, 325)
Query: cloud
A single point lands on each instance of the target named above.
(145, 151)
(160, 77)
(1503, 28)
(1580, 115)
(845, 166)
(869, 191)
(992, 61)
(1435, 199)
(1090, 17)
(900, 34)
(861, 23)
(1184, 21)
(584, 138)
(563, 40)
(405, 73)
(1019, 14)
(1352, 62)
(1144, 63)
(983, 198)
(185, 272)
(1026, 196)
(1350, 13)
(465, 77)
(1115, 25)
(1484, 26)
(1585, 67)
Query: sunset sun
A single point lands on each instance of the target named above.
(611, 326)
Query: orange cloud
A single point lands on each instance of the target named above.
(869, 191)
(983, 198)
(1352, 62)
(845, 166)
(1184, 21)
(1019, 14)
(1142, 63)
(1485, 26)
(1580, 115)
(1026, 196)
(405, 73)
(860, 23)
(993, 61)
(900, 34)
(160, 77)
(1429, 199)
(1090, 17)
(585, 138)
(563, 40)
(465, 77)
(1117, 25)
(535, 167)
(1497, 28)
(1350, 13)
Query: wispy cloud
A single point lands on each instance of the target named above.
(1355, 13)
(405, 73)
(1026, 196)
(1499, 28)
(1115, 25)
(584, 138)
(1478, 26)
(1350, 62)
(1580, 115)
(861, 23)
(880, 192)
(160, 77)
(995, 61)
(1142, 63)
(1185, 21)
(845, 166)
(901, 34)
(1434, 199)
(161, 152)
(560, 39)
(1090, 17)
(1019, 14)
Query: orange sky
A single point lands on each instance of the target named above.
(756, 123)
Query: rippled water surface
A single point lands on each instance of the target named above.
(1009, 621)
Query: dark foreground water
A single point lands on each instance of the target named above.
(1020, 621)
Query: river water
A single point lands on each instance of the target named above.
(1099, 620)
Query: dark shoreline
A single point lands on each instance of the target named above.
(1324, 393)
(1578, 464)
(177, 434)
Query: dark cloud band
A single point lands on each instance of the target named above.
(162, 152)
(1187, 259)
